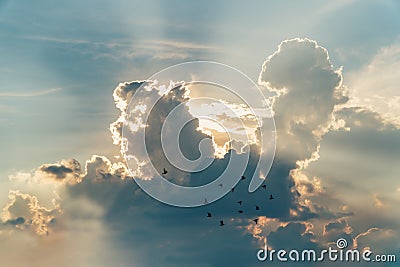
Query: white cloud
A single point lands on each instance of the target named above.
(376, 85)
(308, 90)
(34, 215)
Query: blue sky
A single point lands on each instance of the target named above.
(61, 61)
(85, 49)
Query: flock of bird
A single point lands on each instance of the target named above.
(240, 202)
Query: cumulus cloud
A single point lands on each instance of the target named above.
(104, 209)
(303, 78)
(142, 160)
(99, 168)
(281, 184)
(309, 108)
(308, 89)
(40, 209)
(314, 93)
(23, 208)
(102, 183)
(59, 171)
(122, 96)
(63, 169)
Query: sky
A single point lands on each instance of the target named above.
(331, 71)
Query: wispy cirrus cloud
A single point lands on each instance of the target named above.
(31, 94)
(161, 49)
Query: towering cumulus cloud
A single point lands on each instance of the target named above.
(307, 89)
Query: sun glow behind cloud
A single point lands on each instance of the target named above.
(101, 195)
(376, 86)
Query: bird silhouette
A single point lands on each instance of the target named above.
(233, 189)
(209, 215)
(164, 171)
(243, 177)
(264, 186)
(221, 223)
(240, 202)
(256, 220)
(271, 197)
(240, 211)
(257, 208)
